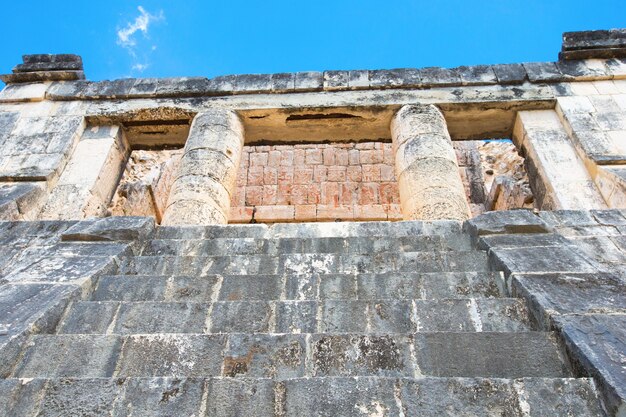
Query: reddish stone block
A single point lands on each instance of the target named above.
(330, 193)
(283, 195)
(331, 213)
(371, 156)
(299, 193)
(329, 155)
(389, 157)
(353, 157)
(341, 156)
(336, 173)
(274, 213)
(254, 195)
(270, 193)
(240, 215)
(303, 175)
(255, 175)
(274, 158)
(285, 174)
(313, 156)
(298, 158)
(364, 145)
(348, 193)
(320, 173)
(353, 173)
(306, 213)
(368, 193)
(258, 159)
(270, 176)
(313, 194)
(370, 212)
(389, 193)
(387, 173)
(371, 173)
(238, 198)
(286, 157)
(263, 148)
(394, 212)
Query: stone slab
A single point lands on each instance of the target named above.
(597, 344)
(111, 229)
(85, 356)
(570, 293)
(506, 222)
(496, 355)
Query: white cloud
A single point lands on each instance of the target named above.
(140, 67)
(127, 39)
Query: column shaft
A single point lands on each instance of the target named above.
(430, 185)
(201, 192)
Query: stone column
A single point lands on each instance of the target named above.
(201, 191)
(426, 167)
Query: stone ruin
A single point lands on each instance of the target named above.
(397, 242)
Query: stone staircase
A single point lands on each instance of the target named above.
(228, 321)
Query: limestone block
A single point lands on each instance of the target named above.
(23, 92)
(110, 229)
(335, 80)
(397, 78)
(283, 82)
(477, 75)
(309, 81)
(90, 177)
(20, 200)
(560, 177)
(204, 184)
(358, 79)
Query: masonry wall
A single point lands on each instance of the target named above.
(316, 182)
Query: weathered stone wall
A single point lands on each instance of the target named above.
(316, 182)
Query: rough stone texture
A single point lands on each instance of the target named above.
(559, 178)
(426, 166)
(597, 344)
(377, 318)
(110, 229)
(146, 183)
(594, 44)
(518, 221)
(206, 176)
(312, 182)
(87, 183)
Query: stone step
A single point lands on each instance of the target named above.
(443, 354)
(332, 396)
(391, 285)
(251, 246)
(313, 230)
(331, 316)
(444, 261)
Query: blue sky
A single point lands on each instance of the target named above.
(152, 38)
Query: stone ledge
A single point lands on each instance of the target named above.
(111, 229)
(282, 83)
(36, 76)
(594, 44)
(505, 222)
